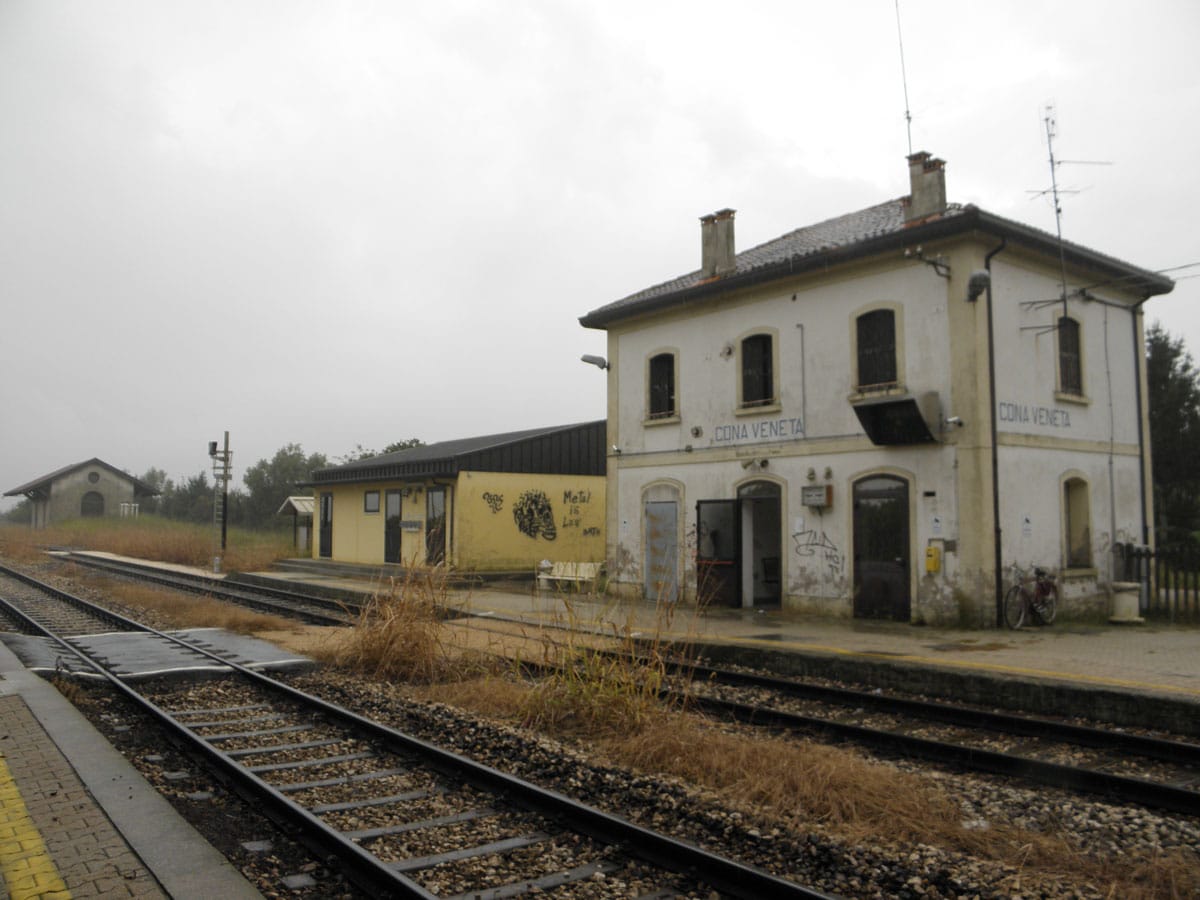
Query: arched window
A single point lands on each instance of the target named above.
(1077, 524)
(1070, 357)
(661, 384)
(92, 505)
(876, 343)
(758, 371)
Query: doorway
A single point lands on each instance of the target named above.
(762, 543)
(391, 527)
(326, 526)
(739, 547)
(881, 549)
(435, 526)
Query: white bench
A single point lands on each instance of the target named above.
(582, 575)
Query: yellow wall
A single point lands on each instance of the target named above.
(357, 536)
(501, 520)
(498, 521)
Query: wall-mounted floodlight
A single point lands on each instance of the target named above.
(978, 283)
(598, 361)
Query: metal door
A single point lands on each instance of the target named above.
(662, 551)
(326, 526)
(881, 551)
(718, 546)
(391, 527)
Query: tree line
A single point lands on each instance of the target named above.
(266, 484)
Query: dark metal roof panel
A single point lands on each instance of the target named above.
(562, 449)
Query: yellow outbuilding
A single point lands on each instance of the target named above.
(492, 504)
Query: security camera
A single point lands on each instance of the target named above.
(978, 283)
(954, 420)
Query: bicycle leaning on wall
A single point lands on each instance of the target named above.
(1033, 600)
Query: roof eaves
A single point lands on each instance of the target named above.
(965, 219)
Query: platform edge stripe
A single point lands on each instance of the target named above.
(27, 867)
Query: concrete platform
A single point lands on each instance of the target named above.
(76, 819)
(1137, 675)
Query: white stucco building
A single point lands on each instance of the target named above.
(879, 415)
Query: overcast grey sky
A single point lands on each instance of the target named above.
(341, 223)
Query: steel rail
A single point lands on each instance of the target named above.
(726, 875)
(1179, 752)
(250, 595)
(365, 869)
(1124, 788)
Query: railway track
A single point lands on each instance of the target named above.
(307, 607)
(401, 816)
(1156, 772)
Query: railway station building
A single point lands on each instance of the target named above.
(879, 416)
(497, 503)
(86, 489)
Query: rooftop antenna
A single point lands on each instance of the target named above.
(1056, 193)
(904, 79)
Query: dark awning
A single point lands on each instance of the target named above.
(899, 419)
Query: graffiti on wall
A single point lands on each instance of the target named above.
(819, 547)
(575, 501)
(494, 501)
(535, 516)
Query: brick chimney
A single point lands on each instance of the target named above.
(716, 244)
(927, 177)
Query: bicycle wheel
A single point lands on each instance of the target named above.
(1045, 604)
(1014, 607)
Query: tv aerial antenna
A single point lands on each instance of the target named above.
(904, 79)
(1056, 193)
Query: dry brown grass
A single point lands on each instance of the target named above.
(18, 544)
(183, 610)
(150, 537)
(601, 680)
(796, 785)
(400, 636)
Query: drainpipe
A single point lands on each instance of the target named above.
(991, 341)
(1139, 353)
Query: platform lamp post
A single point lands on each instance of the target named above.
(222, 467)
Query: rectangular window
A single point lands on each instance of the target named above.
(662, 386)
(371, 501)
(876, 340)
(758, 378)
(1070, 359)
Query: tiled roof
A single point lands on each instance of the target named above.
(875, 228)
(139, 487)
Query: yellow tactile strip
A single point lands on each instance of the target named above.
(25, 864)
(60, 844)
